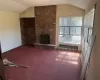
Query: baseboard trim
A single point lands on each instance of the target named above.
(12, 49)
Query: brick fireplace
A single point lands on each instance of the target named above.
(45, 23)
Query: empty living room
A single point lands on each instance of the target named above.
(49, 39)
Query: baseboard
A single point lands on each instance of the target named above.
(12, 49)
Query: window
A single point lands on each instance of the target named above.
(88, 25)
(70, 30)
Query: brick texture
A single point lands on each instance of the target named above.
(45, 22)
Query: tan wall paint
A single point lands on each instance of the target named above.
(10, 35)
(28, 13)
(65, 11)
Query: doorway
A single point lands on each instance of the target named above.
(28, 30)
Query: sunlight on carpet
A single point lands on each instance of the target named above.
(68, 57)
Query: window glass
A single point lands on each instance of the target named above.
(78, 30)
(76, 21)
(72, 30)
(64, 21)
(62, 30)
(64, 38)
(69, 39)
(90, 31)
(66, 30)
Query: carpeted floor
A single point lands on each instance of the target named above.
(43, 64)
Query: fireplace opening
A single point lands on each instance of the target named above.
(45, 39)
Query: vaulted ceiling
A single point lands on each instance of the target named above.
(21, 5)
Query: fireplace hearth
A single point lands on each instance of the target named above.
(44, 42)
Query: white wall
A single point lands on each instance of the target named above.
(10, 34)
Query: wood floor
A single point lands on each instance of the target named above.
(43, 64)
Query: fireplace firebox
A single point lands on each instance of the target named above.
(45, 39)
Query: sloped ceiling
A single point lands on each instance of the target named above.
(21, 5)
(12, 5)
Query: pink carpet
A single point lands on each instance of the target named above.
(43, 64)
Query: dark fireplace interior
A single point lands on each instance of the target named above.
(45, 39)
